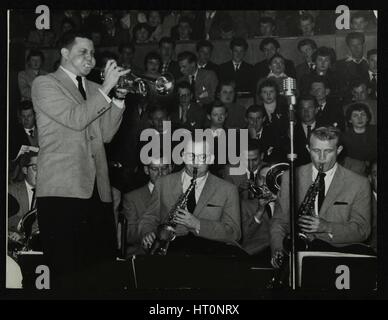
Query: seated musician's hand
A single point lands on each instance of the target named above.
(186, 219)
(148, 240)
(14, 236)
(277, 258)
(309, 224)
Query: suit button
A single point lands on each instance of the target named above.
(93, 156)
(91, 137)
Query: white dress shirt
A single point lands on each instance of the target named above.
(371, 75)
(151, 186)
(328, 179)
(27, 131)
(119, 103)
(200, 183)
(30, 193)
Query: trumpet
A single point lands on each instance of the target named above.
(143, 85)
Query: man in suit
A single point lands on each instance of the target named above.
(112, 34)
(135, 202)
(25, 132)
(188, 114)
(212, 208)
(75, 117)
(167, 49)
(307, 112)
(270, 46)
(372, 72)
(373, 181)
(203, 82)
(204, 52)
(355, 65)
(237, 69)
(306, 47)
(23, 190)
(329, 111)
(342, 211)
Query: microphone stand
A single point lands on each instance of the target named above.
(292, 157)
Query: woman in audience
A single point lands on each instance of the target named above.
(154, 21)
(360, 141)
(142, 33)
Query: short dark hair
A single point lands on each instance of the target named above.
(25, 158)
(204, 43)
(358, 14)
(155, 107)
(238, 42)
(355, 35)
(267, 20)
(185, 20)
(358, 106)
(357, 82)
(371, 52)
(305, 42)
(267, 41)
(140, 26)
(35, 53)
(25, 105)
(215, 104)
(268, 83)
(276, 55)
(129, 45)
(68, 20)
(168, 40)
(153, 55)
(254, 144)
(255, 108)
(68, 38)
(326, 134)
(306, 16)
(325, 52)
(191, 57)
(307, 97)
(319, 79)
(184, 85)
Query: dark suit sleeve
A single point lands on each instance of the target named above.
(228, 228)
(210, 83)
(49, 98)
(357, 228)
(151, 218)
(132, 215)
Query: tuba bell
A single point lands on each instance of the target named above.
(143, 85)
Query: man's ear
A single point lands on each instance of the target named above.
(146, 170)
(327, 90)
(65, 53)
(208, 116)
(339, 149)
(24, 170)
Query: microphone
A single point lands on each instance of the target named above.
(289, 88)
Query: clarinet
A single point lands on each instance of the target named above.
(165, 232)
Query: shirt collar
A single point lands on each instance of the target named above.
(73, 76)
(350, 58)
(312, 125)
(271, 74)
(194, 74)
(199, 181)
(28, 186)
(150, 186)
(210, 14)
(371, 74)
(254, 172)
(329, 173)
(237, 64)
(375, 194)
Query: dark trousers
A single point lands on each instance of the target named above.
(78, 240)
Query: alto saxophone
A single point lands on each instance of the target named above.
(165, 232)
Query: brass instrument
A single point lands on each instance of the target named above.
(142, 85)
(270, 188)
(166, 231)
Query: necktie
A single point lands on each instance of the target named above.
(251, 196)
(81, 87)
(308, 132)
(191, 203)
(193, 87)
(312, 67)
(236, 67)
(184, 115)
(321, 193)
(373, 85)
(31, 133)
(164, 68)
(33, 200)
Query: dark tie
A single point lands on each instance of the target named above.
(321, 193)
(33, 200)
(308, 132)
(236, 67)
(191, 203)
(373, 85)
(81, 87)
(193, 87)
(251, 196)
(312, 67)
(31, 133)
(164, 68)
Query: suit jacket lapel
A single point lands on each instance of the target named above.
(332, 194)
(65, 80)
(305, 180)
(206, 193)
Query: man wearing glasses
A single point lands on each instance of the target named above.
(23, 190)
(215, 213)
(136, 202)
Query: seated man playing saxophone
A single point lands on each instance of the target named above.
(341, 210)
(210, 210)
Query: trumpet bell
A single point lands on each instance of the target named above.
(273, 178)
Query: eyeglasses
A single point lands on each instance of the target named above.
(191, 157)
(108, 20)
(34, 166)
